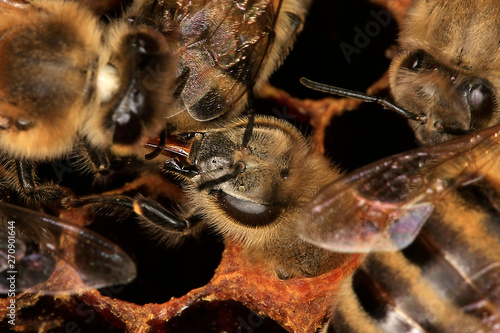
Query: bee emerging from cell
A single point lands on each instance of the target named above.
(248, 186)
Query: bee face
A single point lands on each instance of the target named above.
(445, 70)
(273, 176)
(220, 151)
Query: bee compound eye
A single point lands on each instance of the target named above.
(482, 99)
(246, 212)
(127, 129)
(479, 97)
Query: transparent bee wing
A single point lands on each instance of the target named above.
(383, 206)
(32, 243)
(481, 291)
(223, 43)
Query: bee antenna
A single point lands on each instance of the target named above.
(364, 97)
(251, 113)
(239, 167)
(248, 130)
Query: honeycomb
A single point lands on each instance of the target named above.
(205, 284)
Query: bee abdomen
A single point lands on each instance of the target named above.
(447, 280)
(389, 294)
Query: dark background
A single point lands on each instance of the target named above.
(370, 133)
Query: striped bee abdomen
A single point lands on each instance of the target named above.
(447, 280)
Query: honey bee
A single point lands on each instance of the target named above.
(448, 67)
(111, 86)
(225, 52)
(248, 186)
(66, 78)
(438, 205)
(32, 244)
(228, 49)
(445, 75)
(272, 176)
(89, 88)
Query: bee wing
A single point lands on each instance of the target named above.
(383, 206)
(31, 243)
(223, 43)
(486, 282)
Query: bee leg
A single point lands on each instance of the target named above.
(251, 113)
(180, 81)
(248, 130)
(99, 160)
(153, 212)
(25, 175)
(148, 210)
(173, 165)
(31, 192)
